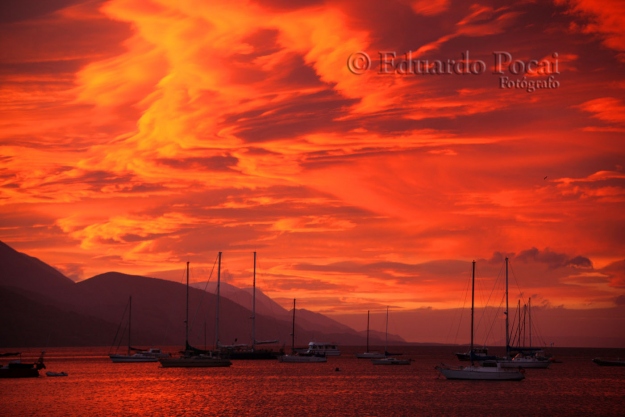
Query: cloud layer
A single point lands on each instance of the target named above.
(137, 135)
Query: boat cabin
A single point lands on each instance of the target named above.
(325, 349)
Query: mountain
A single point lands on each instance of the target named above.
(42, 307)
(22, 271)
(28, 321)
(318, 327)
(159, 308)
(243, 297)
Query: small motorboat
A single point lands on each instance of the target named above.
(609, 361)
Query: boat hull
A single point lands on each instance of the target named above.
(609, 362)
(390, 361)
(478, 373)
(18, 372)
(324, 352)
(525, 364)
(195, 362)
(302, 359)
(466, 357)
(253, 355)
(18, 369)
(132, 358)
(370, 355)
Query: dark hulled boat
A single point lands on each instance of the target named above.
(17, 369)
(609, 362)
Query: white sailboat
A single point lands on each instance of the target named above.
(192, 357)
(301, 357)
(476, 372)
(367, 354)
(245, 351)
(150, 355)
(521, 360)
(389, 360)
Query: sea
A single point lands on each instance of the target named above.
(343, 386)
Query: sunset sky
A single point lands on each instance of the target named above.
(137, 135)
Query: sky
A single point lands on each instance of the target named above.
(367, 151)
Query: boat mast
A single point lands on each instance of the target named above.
(524, 322)
(186, 322)
(472, 308)
(506, 313)
(293, 330)
(217, 308)
(529, 315)
(129, 322)
(519, 329)
(367, 331)
(386, 337)
(254, 307)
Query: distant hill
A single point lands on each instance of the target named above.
(266, 306)
(29, 321)
(22, 271)
(41, 307)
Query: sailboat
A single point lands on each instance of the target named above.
(245, 351)
(150, 355)
(300, 357)
(367, 354)
(389, 360)
(522, 359)
(476, 372)
(192, 357)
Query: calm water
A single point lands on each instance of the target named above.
(97, 387)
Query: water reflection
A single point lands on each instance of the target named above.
(97, 387)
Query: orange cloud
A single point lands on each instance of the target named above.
(608, 109)
(148, 133)
(606, 18)
(429, 8)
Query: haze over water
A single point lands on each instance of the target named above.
(97, 387)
